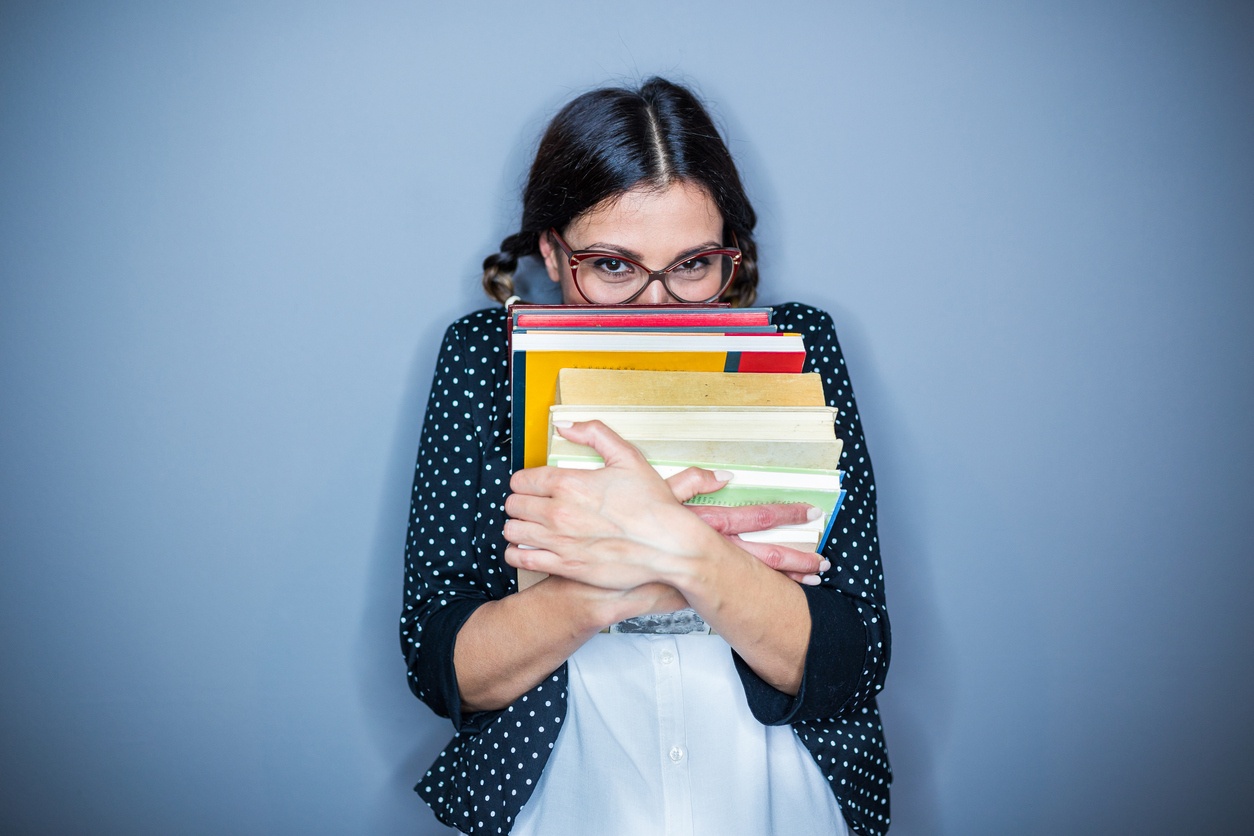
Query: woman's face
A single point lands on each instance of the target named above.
(655, 228)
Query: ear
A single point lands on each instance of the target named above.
(550, 255)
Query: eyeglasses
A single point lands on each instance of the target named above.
(612, 279)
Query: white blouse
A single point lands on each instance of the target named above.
(658, 739)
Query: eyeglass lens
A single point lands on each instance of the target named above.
(608, 280)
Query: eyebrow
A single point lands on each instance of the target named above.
(603, 247)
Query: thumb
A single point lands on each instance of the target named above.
(697, 480)
(608, 444)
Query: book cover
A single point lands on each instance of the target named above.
(807, 455)
(722, 423)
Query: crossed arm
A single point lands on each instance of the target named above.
(619, 543)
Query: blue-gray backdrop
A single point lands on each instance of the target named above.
(231, 235)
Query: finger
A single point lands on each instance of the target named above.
(520, 506)
(697, 480)
(807, 580)
(534, 535)
(739, 519)
(784, 559)
(539, 481)
(604, 575)
(715, 516)
(609, 445)
(528, 558)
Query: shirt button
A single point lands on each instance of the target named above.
(677, 754)
(667, 657)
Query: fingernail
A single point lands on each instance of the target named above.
(563, 425)
(723, 475)
(825, 565)
(811, 580)
(813, 514)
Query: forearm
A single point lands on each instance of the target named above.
(761, 613)
(507, 647)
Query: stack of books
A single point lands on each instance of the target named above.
(706, 386)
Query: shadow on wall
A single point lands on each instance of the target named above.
(406, 734)
(917, 704)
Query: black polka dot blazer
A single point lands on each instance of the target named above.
(453, 564)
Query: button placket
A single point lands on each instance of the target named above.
(676, 784)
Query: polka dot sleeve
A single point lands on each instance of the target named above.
(835, 714)
(456, 509)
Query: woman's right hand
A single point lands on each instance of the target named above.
(803, 567)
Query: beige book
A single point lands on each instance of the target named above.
(714, 423)
(626, 387)
(799, 455)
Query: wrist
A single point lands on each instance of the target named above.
(700, 574)
(588, 608)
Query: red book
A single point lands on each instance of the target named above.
(652, 319)
(718, 314)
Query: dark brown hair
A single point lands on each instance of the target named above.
(611, 140)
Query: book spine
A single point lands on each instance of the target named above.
(518, 410)
(831, 522)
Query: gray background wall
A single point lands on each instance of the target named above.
(231, 236)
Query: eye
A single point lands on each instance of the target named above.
(693, 267)
(612, 268)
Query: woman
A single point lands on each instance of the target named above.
(771, 725)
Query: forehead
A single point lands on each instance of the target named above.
(682, 214)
